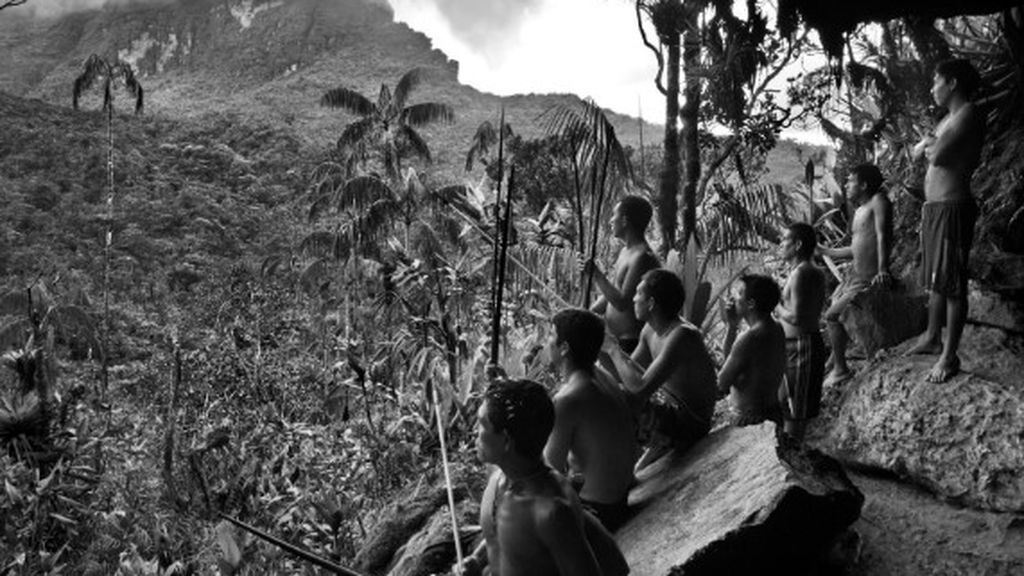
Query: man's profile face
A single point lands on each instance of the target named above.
(942, 90)
(855, 189)
(552, 349)
(642, 302)
(618, 222)
(490, 444)
(789, 246)
(739, 298)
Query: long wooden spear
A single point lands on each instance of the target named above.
(496, 279)
(293, 549)
(448, 481)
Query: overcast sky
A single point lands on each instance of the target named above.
(587, 47)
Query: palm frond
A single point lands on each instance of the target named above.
(362, 191)
(319, 244)
(123, 70)
(406, 84)
(461, 198)
(94, 68)
(315, 276)
(426, 113)
(745, 220)
(424, 243)
(355, 133)
(348, 100)
(412, 141)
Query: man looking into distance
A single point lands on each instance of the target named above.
(755, 363)
(949, 212)
(670, 377)
(593, 423)
(870, 248)
(803, 298)
(629, 221)
(532, 521)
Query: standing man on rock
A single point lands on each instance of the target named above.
(670, 377)
(532, 521)
(803, 299)
(593, 422)
(755, 363)
(870, 248)
(949, 212)
(629, 221)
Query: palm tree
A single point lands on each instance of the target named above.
(387, 126)
(109, 75)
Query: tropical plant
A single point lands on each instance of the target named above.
(109, 75)
(386, 127)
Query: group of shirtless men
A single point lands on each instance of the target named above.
(641, 375)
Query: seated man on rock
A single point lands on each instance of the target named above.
(593, 423)
(532, 520)
(870, 248)
(756, 361)
(670, 377)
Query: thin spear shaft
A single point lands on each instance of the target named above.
(495, 275)
(293, 549)
(448, 482)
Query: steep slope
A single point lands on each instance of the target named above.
(268, 60)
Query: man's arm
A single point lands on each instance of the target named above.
(561, 532)
(673, 353)
(960, 134)
(737, 359)
(844, 253)
(883, 235)
(556, 452)
(599, 306)
(621, 297)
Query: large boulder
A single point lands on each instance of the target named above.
(963, 439)
(432, 549)
(734, 504)
(879, 318)
(989, 308)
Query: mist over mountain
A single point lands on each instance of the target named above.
(266, 60)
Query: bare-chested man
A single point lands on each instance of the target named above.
(593, 423)
(803, 298)
(870, 248)
(670, 376)
(629, 223)
(949, 212)
(532, 521)
(755, 363)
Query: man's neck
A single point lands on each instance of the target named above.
(633, 239)
(756, 319)
(662, 325)
(956, 103)
(519, 468)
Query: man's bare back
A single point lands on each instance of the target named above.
(517, 518)
(593, 424)
(630, 267)
(681, 361)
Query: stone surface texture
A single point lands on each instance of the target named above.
(735, 504)
(963, 439)
(432, 549)
(880, 318)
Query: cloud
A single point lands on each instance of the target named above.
(55, 8)
(485, 26)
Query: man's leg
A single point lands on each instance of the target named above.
(931, 341)
(948, 364)
(839, 339)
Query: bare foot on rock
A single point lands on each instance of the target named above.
(924, 345)
(944, 370)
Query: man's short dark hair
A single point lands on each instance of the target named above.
(637, 210)
(524, 410)
(583, 331)
(666, 289)
(763, 290)
(870, 175)
(961, 70)
(804, 233)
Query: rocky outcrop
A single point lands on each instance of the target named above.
(963, 439)
(879, 318)
(735, 504)
(989, 308)
(432, 549)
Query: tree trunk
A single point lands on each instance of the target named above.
(668, 188)
(689, 116)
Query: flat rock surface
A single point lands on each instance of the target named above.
(963, 439)
(905, 531)
(731, 504)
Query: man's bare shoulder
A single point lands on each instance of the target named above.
(879, 201)
(643, 258)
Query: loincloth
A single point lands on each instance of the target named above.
(805, 372)
(611, 515)
(947, 230)
(847, 290)
(666, 418)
